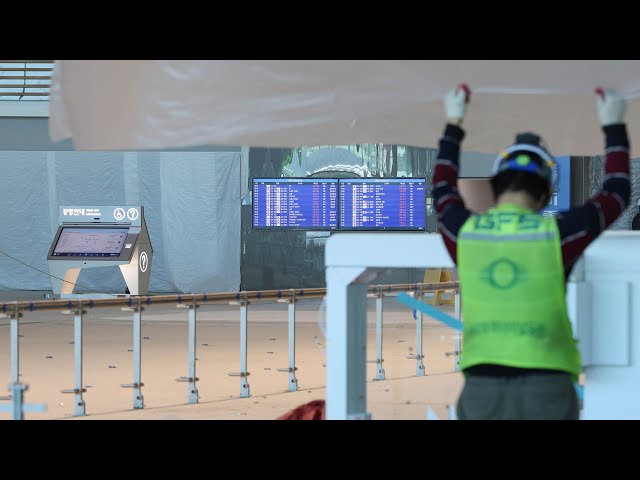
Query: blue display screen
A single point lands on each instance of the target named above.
(90, 242)
(383, 204)
(295, 203)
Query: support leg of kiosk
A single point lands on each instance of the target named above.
(63, 280)
(346, 344)
(138, 272)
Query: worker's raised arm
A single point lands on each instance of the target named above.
(448, 203)
(580, 226)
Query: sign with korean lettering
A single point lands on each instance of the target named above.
(125, 214)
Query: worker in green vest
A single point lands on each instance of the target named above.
(519, 357)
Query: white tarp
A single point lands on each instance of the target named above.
(135, 104)
(192, 209)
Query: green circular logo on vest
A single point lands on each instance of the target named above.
(503, 274)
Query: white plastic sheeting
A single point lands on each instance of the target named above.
(192, 209)
(156, 103)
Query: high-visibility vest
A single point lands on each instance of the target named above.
(513, 292)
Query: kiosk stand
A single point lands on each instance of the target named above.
(89, 237)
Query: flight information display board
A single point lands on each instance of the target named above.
(295, 204)
(90, 242)
(383, 204)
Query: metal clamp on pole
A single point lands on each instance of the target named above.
(138, 399)
(78, 390)
(243, 374)
(191, 379)
(291, 337)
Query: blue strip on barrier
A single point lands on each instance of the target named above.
(433, 312)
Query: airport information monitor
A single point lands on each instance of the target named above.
(295, 204)
(383, 204)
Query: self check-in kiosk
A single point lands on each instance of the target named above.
(102, 236)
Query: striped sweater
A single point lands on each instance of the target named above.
(578, 226)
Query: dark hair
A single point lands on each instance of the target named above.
(517, 181)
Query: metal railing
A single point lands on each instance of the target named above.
(25, 78)
(136, 305)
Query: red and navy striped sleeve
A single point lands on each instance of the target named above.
(581, 225)
(449, 205)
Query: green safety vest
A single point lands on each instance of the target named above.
(513, 292)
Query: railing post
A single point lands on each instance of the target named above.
(379, 359)
(138, 399)
(192, 395)
(17, 406)
(420, 372)
(291, 339)
(15, 346)
(79, 408)
(78, 389)
(243, 373)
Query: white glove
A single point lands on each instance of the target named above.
(455, 103)
(611, 107)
